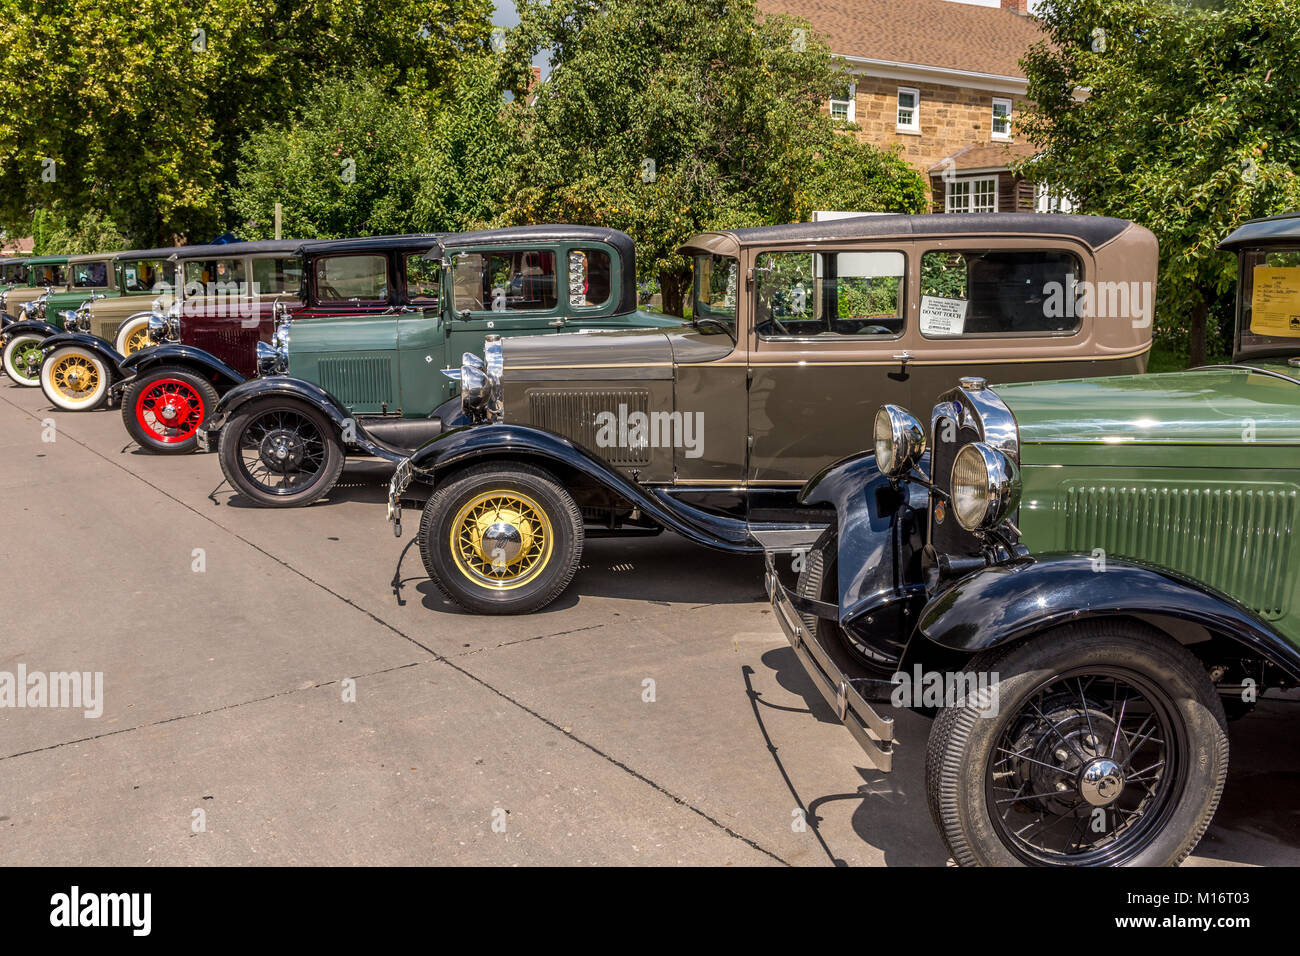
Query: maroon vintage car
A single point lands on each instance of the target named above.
(235, 296)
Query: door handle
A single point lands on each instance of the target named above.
(903, 358)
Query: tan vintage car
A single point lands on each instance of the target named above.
(146, 280)
(798, 334)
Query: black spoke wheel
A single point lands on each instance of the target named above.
(281, 454)
(1094, 745)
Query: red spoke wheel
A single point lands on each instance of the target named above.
(164, 408)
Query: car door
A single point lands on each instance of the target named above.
(830, 336)
(506, 290)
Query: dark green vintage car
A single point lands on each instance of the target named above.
(1084, 578)
(44, 273)
(13, 272)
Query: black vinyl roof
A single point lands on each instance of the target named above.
(415, 241)
(1274, 229)
(1095, 231)
(221, 250)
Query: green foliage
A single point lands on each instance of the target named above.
(53, 235)
(142, 108)
(665, 118)
(1189, 128)
(850, 175)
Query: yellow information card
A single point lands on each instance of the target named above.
(1275, 305)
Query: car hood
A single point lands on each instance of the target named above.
(650, 352)
(1226, 405)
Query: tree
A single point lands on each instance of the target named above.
(665, 118)
(1189, 126)
(138, 111)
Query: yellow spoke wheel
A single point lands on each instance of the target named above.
(501, 539)
(75, 376)
(137, 340)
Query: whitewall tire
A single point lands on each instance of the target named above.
(75, 379)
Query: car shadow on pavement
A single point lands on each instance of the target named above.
(889, 810)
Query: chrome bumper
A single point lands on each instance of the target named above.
(207, 438)
(874, 733)
(400, 480)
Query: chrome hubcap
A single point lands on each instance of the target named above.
(502, 543)
(1101, 781)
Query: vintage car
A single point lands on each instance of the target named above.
(371, 387)
(89, 277)
(1089, 575)
(44, 273)
(170, 390)
(13, 272)
(711, 428)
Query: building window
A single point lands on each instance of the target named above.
(844, 105)
(1048, 199)
(909, 110)
(1001, 119)
(972, 195)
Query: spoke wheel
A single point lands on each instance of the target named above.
(501, 539)
(164, 409)
(1086, 771)
(281, 453)
(1095, 744)
(137, 340)
(75, 379)
(22, 360)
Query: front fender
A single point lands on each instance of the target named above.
(204, 363)
(1007, 602)
(30, 326)
(284, 386)
(463, 446)
(111, 356)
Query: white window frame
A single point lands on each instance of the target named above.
(851, 105)
(915, 126)
(968, 194)
(1048, 200)
(1011, 106)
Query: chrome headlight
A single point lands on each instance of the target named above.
(270, 360)
(280, 339)
(481, 388)
(899, 440)
(161, 328)
(985, 487)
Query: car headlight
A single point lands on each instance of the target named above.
(160, 328)
(481, 388)
(280, 339)
(900, 441)
(270, 360)
(985, 487)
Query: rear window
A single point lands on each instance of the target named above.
(352, 280)
(1000, 292)
(591, 279)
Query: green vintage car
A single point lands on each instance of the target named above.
(1083, 578)
(44, 273)
(13, 272)
(373, 384)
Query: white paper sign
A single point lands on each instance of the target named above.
(941, 316)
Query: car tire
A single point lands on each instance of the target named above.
(133, 335)
(163, 409)
(1038, 682)
(75, 379)
(16, 347)
(252, 438)
(542, 538)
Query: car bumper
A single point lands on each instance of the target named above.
(873, 732)
(207, 438)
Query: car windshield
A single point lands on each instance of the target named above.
(716, 283)
(143, 275)
(1269, 321)
(90, 275)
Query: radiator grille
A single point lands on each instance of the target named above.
(1232, 538)
(358, 381)
(574, 415)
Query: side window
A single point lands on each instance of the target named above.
(520, 280)
(803, 294)
(145, 275)
(591, 278)
(1000, 292)
(423, 280)
(349, 280)
(214, 276)
(90, 275)
(277, 276)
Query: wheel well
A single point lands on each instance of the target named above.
(210, 375)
